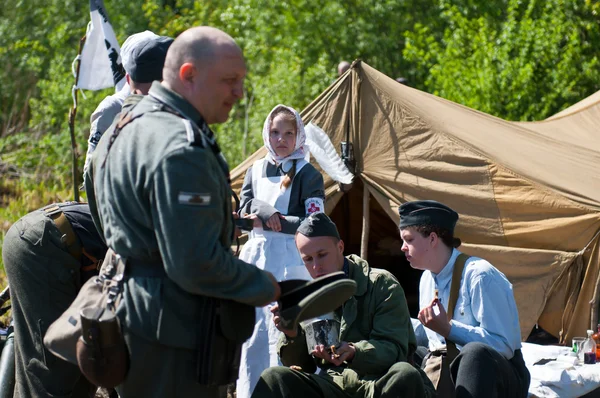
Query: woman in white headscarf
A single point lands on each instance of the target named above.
(279, 191)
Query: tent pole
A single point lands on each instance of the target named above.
(364, 240)
(595, 304)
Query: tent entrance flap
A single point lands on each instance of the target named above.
(384, 246)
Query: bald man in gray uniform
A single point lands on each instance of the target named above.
(165, 207)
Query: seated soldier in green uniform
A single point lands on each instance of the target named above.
(48, 254)
(376, 335)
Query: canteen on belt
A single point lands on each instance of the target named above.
(102, 354)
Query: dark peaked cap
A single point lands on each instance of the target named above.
(148, 59)
(318, 224)
(427, 212)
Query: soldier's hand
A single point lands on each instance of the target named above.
(274, 222)
(277, 321)
(337, 355)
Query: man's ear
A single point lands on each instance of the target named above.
(187, 73)
(341, 246)
(433, 239)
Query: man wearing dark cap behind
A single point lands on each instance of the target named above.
(376, 336)
(485, 322)
(143, 57)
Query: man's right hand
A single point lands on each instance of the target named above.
(277, 320)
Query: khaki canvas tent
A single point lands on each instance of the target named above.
(528, 194)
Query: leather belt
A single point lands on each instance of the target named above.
(64, 226)
(146, 268)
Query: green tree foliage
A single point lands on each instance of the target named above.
(527, 63)
(518, 59)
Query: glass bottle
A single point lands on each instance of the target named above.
(596, 337)
(589, 349)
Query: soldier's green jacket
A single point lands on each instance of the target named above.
(157, 194)
(375, 320)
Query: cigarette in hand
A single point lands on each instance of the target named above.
(436, 309)
(336, 356)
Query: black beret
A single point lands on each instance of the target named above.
(427, 212)
(318, 224)
(148, 59)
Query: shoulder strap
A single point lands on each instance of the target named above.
(459, 266)
(124, 120)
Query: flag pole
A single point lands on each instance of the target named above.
(72, 114)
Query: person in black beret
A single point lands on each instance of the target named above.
(376, 338)
(143, 56)
(484, 325)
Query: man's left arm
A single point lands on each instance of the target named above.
(312, 197)
(390, 336)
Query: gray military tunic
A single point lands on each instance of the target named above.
(44, 279)
(161, 198)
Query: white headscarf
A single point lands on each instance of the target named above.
(300, 149)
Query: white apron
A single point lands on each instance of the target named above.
(275, 252)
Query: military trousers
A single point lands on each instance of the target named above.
(157, 371)
(44, 279)
(481, 371)
(402, 380)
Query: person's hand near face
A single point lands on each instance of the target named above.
(438, 323)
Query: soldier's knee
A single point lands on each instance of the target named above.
(275, 375)
(405, 374)
(475, 350)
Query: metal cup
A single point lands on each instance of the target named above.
(323, 330)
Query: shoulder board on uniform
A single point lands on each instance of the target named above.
(194, 134)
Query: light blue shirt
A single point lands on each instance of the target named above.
(485, 310)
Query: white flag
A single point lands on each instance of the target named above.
(100, 65)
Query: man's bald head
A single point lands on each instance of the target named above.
(200, 44)
(206, 66)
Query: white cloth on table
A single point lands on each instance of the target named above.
(560, 377)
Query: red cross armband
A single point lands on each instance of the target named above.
(314, 205)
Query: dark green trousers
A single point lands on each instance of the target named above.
(44, 280)
(401, 381)
(160, 371)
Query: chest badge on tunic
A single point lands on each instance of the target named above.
(194, 198)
